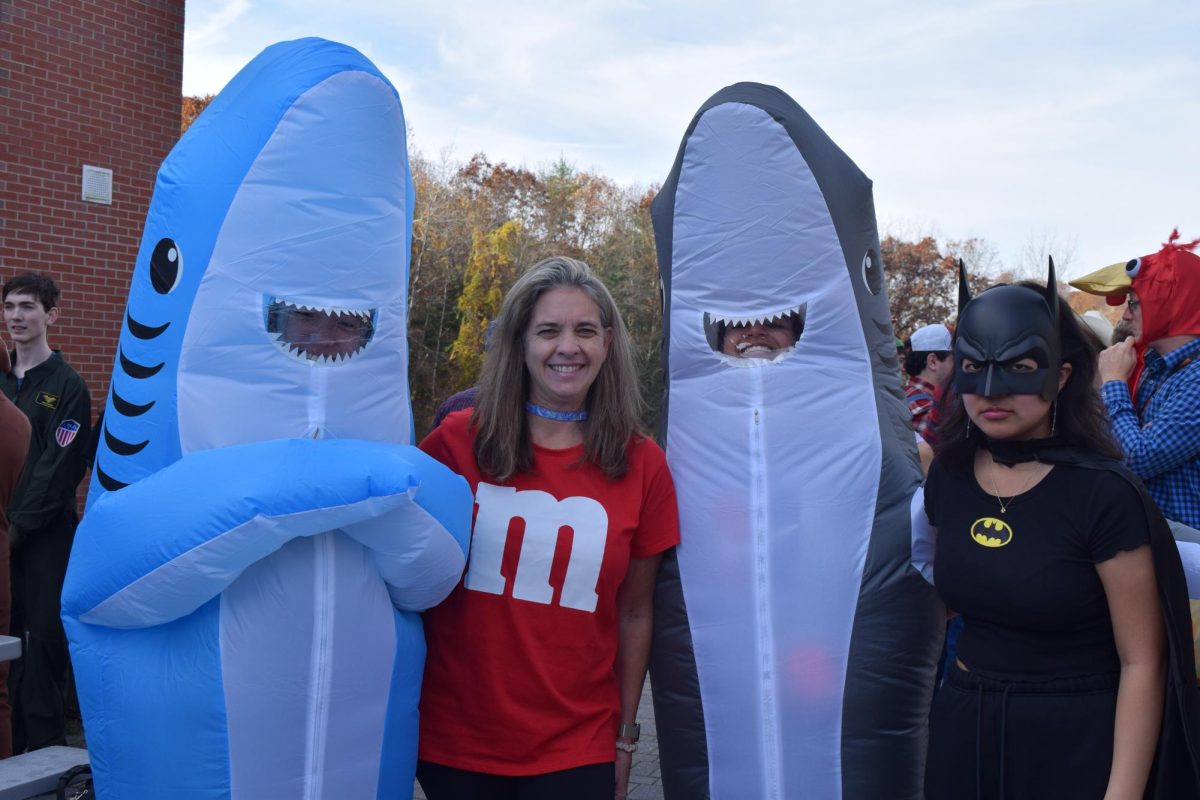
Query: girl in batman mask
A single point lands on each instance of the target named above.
(1044, 548)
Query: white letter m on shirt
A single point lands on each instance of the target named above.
(543, 516)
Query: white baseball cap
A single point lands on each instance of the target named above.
(1099, 325)
(930, 338)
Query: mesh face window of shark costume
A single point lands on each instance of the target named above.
(319, 335)
(764, 338)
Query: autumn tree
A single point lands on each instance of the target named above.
(192, 106)
(921, 282)
(922, 277)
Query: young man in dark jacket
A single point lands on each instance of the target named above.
(41, 516)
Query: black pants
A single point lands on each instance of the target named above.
(593, 782)
(1011, 740)
(37, 680)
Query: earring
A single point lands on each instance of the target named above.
(968, 426)
(1053, 418)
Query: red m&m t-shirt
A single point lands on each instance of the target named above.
(519, 677)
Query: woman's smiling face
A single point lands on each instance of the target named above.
(565, 346)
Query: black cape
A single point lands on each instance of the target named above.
(1175, 773)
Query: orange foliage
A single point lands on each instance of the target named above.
(192, 106)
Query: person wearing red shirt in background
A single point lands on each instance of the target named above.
(14, 447)
(536, 660)
(929, 366)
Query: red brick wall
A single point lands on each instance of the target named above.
(94, 82)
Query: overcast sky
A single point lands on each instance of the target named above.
(1070, 121)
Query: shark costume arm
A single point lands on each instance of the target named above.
(203, 520)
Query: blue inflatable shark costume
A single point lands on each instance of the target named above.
(241, 597)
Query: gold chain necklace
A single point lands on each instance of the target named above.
(1005, 506)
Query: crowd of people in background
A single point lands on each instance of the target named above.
(1067, 434)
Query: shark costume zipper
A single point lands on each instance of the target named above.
(320, 667)
(323, 591)
(759, 500)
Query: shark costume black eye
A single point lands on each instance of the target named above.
(166, 266)
(872, 274)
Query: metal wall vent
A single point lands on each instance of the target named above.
(97, 185)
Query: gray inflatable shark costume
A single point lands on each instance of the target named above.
(795, 646)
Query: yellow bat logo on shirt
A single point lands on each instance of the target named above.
(991, 532)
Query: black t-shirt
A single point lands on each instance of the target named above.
(1025, 581)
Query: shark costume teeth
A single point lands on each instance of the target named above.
(795, 646)
(243, 595)
(731, 319)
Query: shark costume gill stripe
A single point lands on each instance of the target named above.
(241, 597)
(795, 647)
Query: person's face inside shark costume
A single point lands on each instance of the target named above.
(766, 338)
(1008, 359)
(313, 333)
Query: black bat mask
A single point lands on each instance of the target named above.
(1002, 326)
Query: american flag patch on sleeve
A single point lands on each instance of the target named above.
(66, 432)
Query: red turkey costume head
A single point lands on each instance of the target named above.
(1167, 285)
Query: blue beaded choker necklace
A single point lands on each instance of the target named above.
(550, 413)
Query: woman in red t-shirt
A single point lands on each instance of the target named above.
(537, 659)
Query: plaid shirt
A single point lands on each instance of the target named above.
(1161, 438)
(455, 402)
(922, 398)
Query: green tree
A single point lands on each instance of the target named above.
(490, 272)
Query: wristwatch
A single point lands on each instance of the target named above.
(626, 730)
